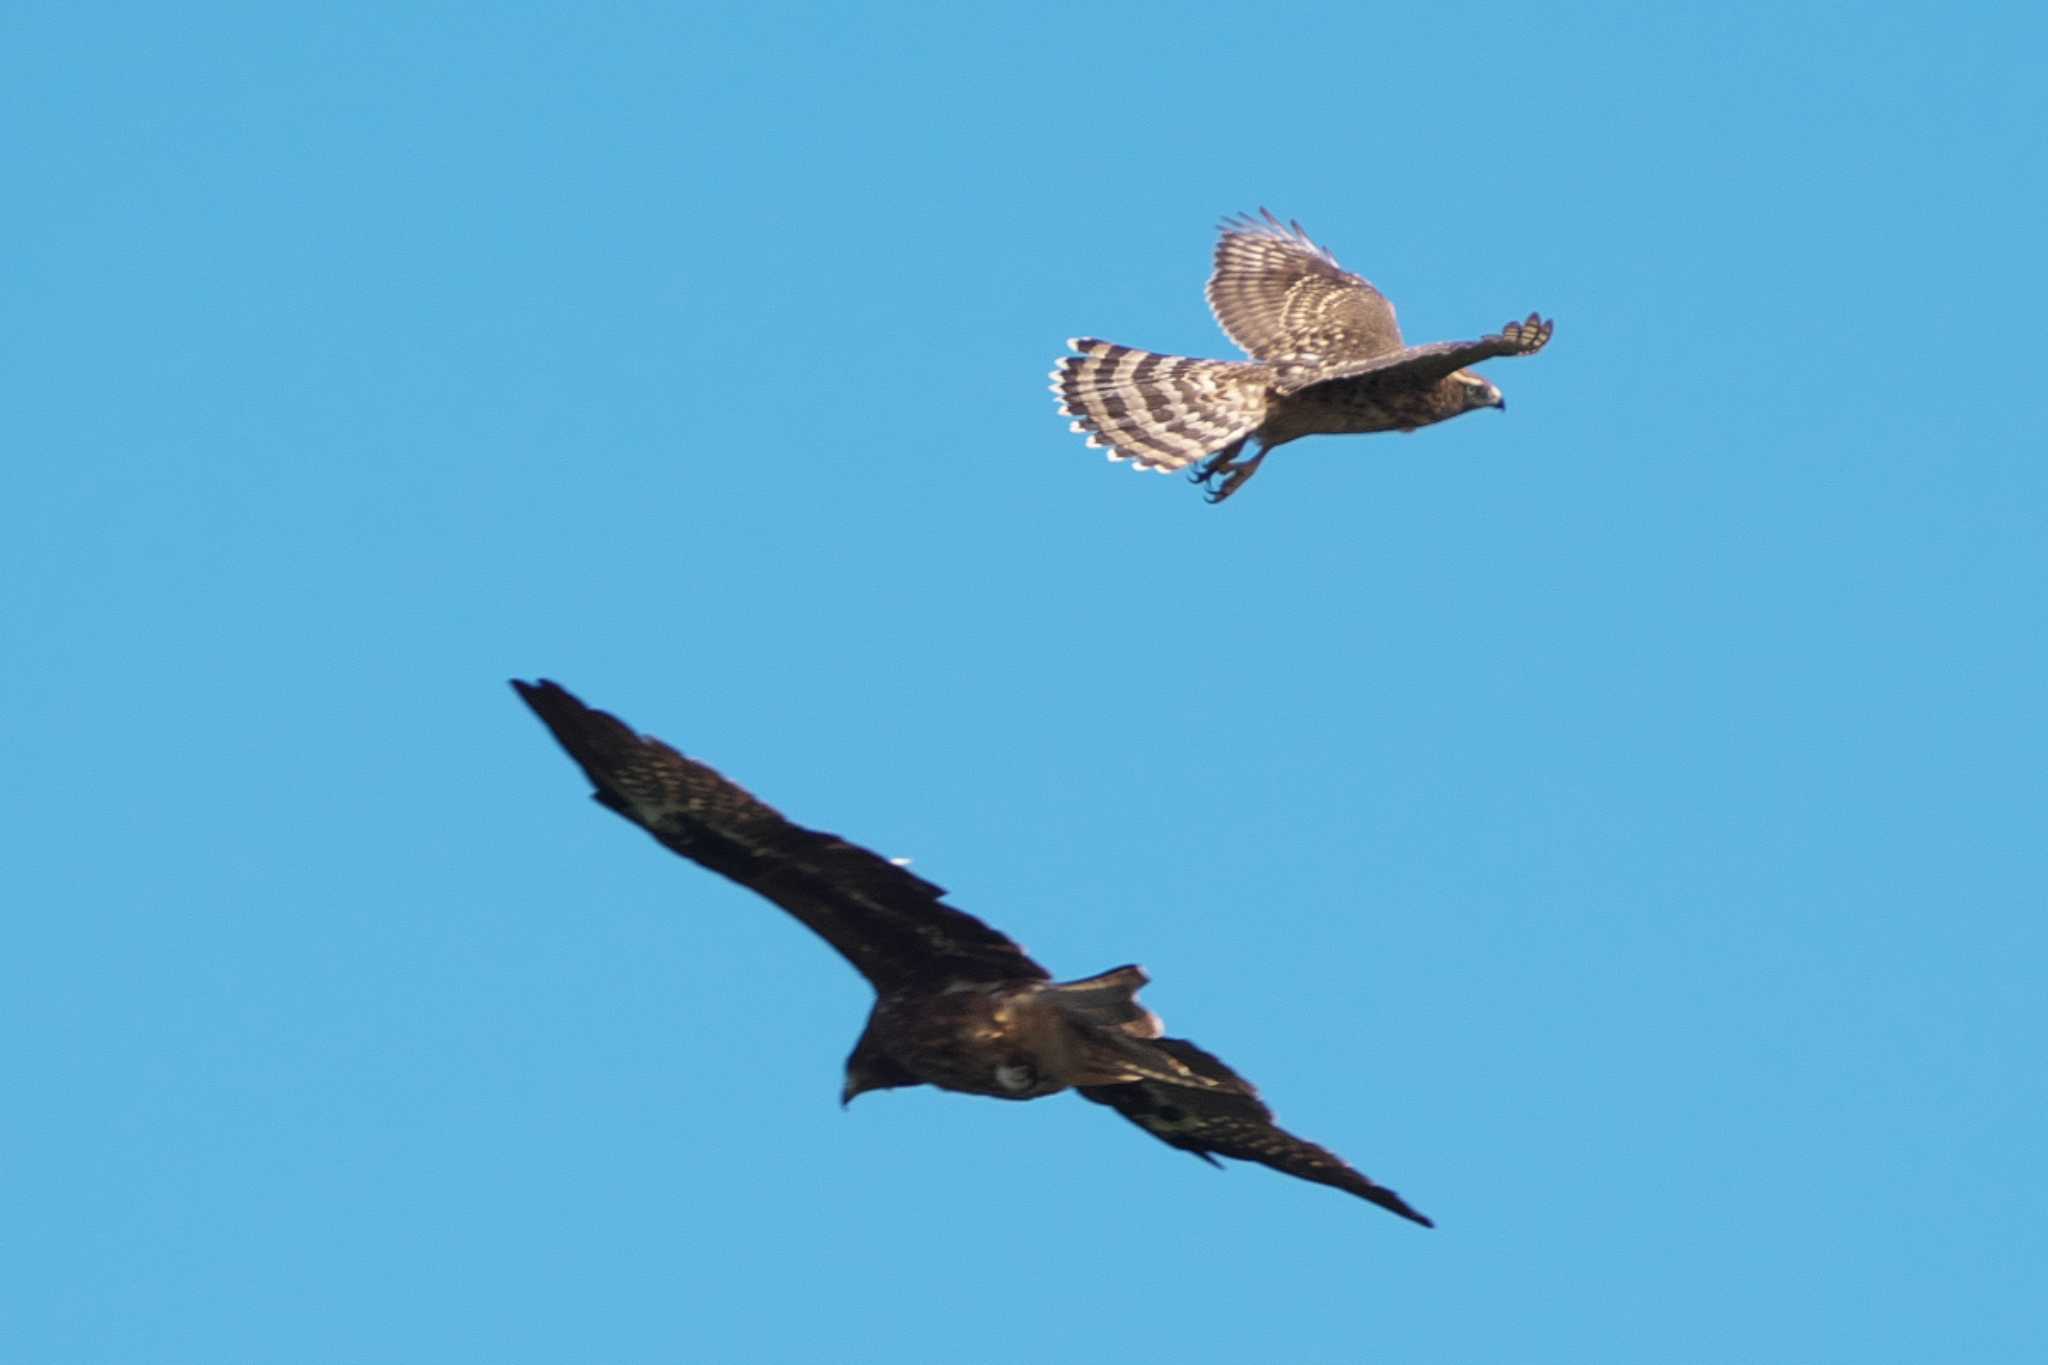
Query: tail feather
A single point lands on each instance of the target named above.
(1116, 1041)
(1110, 999)
(1161, 412)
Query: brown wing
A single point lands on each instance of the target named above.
(1283, 298)
(887, 921)
(1419, 367)
(1227, 1118)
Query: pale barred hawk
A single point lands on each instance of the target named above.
(1327, 359)
(958, 1005)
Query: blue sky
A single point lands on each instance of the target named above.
(1616, 823)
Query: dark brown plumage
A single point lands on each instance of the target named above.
(958, 1005)
(1327, 359)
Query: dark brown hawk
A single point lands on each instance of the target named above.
(1327, 359)
(958, 1005)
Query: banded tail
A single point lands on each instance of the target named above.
(1162, 412)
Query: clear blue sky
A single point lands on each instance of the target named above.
(1616, 823)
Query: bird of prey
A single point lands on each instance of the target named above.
(958, 1005)
(1326, 359)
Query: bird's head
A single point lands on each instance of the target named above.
(867, 1071)
(1475, 392)
(855, 1086)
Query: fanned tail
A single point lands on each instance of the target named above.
(1161, 412)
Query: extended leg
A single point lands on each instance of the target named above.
(1235, 473)
(1224, 464)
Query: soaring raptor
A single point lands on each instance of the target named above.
(958, 1005)
(1326, 359)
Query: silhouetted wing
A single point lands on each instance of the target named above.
(1283, 298)
(1419, 367)
(889, 922)
(1229, 1119)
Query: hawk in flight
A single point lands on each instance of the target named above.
(958, 1005)
(1326, 359)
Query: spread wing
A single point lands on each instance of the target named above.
(1283, 298)
(1225, 1117)
(887, 921)
(1418, 367)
